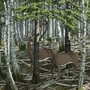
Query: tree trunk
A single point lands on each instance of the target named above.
(36, 77)
(8, 50)
(0, 31)
(67, 41)
(83, 52)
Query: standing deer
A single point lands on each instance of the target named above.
(63, 59)
(44, 53)
(58, 59)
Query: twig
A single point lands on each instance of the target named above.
(26, 60)
(45, 70)
(43, 60)
(69, 80)
(29, 65)
(66, 85)
(87, 87)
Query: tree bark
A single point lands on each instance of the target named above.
(0, 30)
(67, 41)
(36, 54)
(83, 51)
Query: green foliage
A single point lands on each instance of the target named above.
(1, 5)
(81, 88)
(40, 9)
(88, 13)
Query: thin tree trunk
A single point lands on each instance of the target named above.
(83, 52)
(36, 54)
(7, 53)
(15, 66)
(67, 41)
(0, 31)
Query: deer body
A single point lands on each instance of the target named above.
(44, 53)
(62, 59)
(58, 59)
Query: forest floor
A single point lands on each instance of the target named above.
(68, 80)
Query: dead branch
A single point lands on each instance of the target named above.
(66, 85)
(29, 65)
(86, 86)
(45, 70)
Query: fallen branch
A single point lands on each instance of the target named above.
(66, 85)
(87, 87)
(69, 79)
(29, 65)
(44, 60)
(87, 77)
(26, 60)
(45, 70)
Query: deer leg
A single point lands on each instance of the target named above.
(31, 70)
(59, 69)
(74, 73)
(53, 70)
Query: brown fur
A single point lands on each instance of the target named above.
(59, 60)
(43, 52)
(62, 59)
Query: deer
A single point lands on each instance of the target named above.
(66, 58)
(45, 54)
(58, 60)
